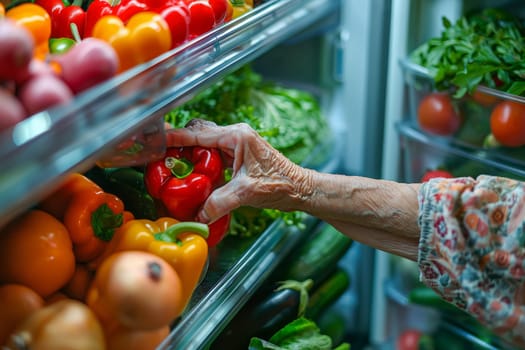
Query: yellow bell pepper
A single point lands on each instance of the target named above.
(182, 244)
(145, 36)
(35, 19)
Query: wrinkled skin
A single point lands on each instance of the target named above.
(262, 176)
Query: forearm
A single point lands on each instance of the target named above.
(379, 213)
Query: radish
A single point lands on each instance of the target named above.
(16, 49)
(42, 92)
(11, 110)
(86, 64)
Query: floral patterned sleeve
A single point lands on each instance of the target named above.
(472, 248)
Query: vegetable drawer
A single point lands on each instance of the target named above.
(422, 152)
(474, 121)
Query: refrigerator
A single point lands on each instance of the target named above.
(348, 53)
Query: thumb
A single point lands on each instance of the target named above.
(219, 203)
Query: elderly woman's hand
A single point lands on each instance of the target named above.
(262, 176)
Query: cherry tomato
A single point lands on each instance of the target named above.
(507, 123)
(484, 98)
(438, 115)
(432, 174)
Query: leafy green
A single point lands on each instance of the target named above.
(289, 119)
(482, 48)
(300, 334)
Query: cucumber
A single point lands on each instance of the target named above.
(426, 296)
(327, 293)
(317, 257)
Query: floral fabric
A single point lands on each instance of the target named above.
(472, 248)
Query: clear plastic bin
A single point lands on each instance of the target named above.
(474, 112)
(422, 152)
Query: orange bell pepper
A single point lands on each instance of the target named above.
(36, 19)
(182, 244)
(57, 203)
(92, 218)
(145, 36)
(2, 10)
(90, 214)
(36, 251)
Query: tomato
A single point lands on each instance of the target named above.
(484, 98)
(438, 115)
(36, 251)
(507, 123)
(432, 174)
(17, 302)
(408, 340)
(414, 339)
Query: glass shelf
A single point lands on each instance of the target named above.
(37, 152)
(423, 152)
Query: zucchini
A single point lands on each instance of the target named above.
(327, 293)
(263, 316)
(317, 257)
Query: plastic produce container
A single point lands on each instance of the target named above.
(470, 126)
(422, 152)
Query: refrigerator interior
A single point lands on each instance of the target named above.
(410, 24)
(300, 43)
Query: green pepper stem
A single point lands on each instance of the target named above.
(75, 32)
(180, 168)
(171, 233)
(302, 288)
(104, 222)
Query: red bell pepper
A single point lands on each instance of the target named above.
(62, 16)
(205, 15)
(125, 9)
(177, 15)
(183, 180)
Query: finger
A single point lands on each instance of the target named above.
(220, 202)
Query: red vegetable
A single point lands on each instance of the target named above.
(99, 8)
(507, 123)
(202, 17)
(176, 15)
(432, 174)
(88, 63)
(438, 115)
(11, 110)
(62, 16)
(183, 180)
(414, 339)
(16, 49)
